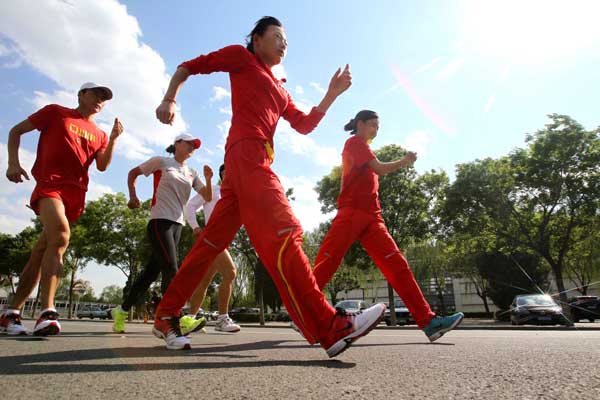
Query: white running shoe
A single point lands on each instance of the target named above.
(226, 324)
(348, 327)
(168, 328)
(47, 324)
(10, 323)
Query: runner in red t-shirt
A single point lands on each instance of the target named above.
(69, 142)
(359, 218)
(251, 193)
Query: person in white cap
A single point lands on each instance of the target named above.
(173, 183)
(69, 142)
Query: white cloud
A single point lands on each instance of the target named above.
(134, 71)
(97, 190)
(10, 54)
(490, 103)
(418, 141)
(224, 129)
(226, 110)
(14, 214)
(299, 90)
(450, 69)
(220, 93)
(306, 205)
(290, 140)
(279, 72)
(136, 150)
(317, 87)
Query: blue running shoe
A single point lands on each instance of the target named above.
(440, 325)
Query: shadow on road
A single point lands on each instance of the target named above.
(71, 361)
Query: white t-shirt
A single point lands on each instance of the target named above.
(173, 184)
(198, 201)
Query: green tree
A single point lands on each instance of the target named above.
(246, 260)
(536, 198)
(463, 251)
(14, 254)
(348, 276)
(119, 234)
(431, 259)
(77, 255)
(583, 260)
(112, 294)
(513, 274)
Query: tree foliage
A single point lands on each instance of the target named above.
(536, 198)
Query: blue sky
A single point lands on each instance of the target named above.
(454, 81)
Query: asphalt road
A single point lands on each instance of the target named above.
(88, 362)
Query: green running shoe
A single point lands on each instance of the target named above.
(189, 324)
(440, 325)
(119, 315)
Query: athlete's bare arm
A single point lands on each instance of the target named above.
(166, 110)
(206, 191)
(103, 158)
(15, 173)
(134, 202)
(384, 168)
(340, 82)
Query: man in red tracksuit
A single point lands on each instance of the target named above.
(359, 218)
(252, 194)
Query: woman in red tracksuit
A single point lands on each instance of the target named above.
(359, 218)
(252, 195)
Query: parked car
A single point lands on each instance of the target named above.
(212, 315)
(108, 309)
(91, 312)
(536, 309)
(243, 310)
(352, 305)
(403, 317)
(585, 307)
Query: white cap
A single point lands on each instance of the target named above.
(188, 138)
(92, 85)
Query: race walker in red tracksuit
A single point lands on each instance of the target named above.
(359, 218)
(252, 195)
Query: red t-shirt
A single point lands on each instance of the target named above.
(360, 183)
(68, 144)
(258, 99)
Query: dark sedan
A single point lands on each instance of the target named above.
(538, 309)
(585, 307)
(403, 317)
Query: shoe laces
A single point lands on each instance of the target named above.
(15, 319)
(345, 313)
(49, 315)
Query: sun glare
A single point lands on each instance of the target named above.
(530, 32)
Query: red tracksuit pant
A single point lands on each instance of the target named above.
(351, 224)
(252, 195)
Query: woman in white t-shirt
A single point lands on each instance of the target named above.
(223, 265)
(173, 183)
